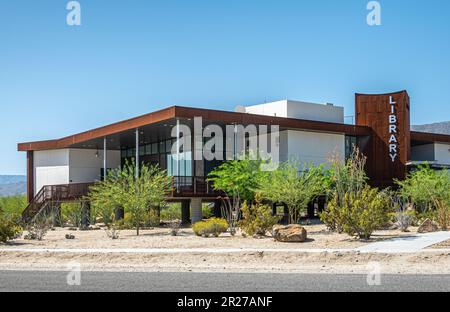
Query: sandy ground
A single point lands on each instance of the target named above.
(435, 261)
(318, 237)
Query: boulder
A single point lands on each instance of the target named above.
(289, 234)
(70, 236)
(428, 226)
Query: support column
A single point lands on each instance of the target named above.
(105, 159)
(185, 212)
(311, 209)
(137, 153)
(30, 176)
(196, 207)
(218, 208)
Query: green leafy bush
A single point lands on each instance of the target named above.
(426, 187)
(443, 213)
(295, 189)
(257, 219)
(9, 228)
(213, 226)
(13, 205)
(149, 219)
(134, 193)
(345, 178)
(332, 216)
(171, 211)
(363, 212)
(71, 213)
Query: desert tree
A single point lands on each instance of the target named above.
(137, 194)
(296, 188)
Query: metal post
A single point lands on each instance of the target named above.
(176, 157)
(105, 159)
(137, 153)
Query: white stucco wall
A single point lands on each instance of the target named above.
(273, 109)
(299, 110)
(442, 153)
(64, 166)
(50, 168)
(313, 147)
(85, 166)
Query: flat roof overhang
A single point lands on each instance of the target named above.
(428, 138)
(158, 118)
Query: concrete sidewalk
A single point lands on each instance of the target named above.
(408, 244)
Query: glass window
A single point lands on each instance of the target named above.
(350, 143)
(162, 147)
(154, 148)
(148, 149)
(169, 165)
(141, 150)
(182, 165)
(168, 146)
(188, 157)
(123, 153)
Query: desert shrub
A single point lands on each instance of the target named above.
(332, 217)
(171, 210)
(230, 211)
(344, 178)
(257, 218)
(425, 188)
(404, 215)
(41, 224)
(152, 218)
(72, 213)
(9, 228)
(172, 217)
(442, 213)
(213, 226)
(207, 211)
(363, 212)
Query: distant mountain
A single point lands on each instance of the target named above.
(12, 185)
(440, 127)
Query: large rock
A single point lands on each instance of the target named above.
(289, 234)
(428, 226)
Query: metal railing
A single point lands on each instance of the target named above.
(192, 186)
(55, 193)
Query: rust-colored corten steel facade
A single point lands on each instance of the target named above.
(389, 148)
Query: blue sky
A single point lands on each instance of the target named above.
(132, 57)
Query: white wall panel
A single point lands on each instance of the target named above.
(314, 147)
(442, 153)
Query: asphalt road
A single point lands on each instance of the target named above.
(205, 282)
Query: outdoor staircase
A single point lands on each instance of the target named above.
(52, 194)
